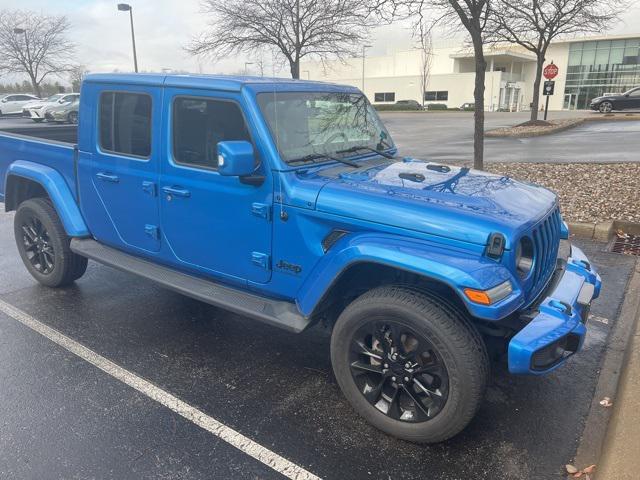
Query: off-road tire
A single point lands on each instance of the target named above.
(67, 266)
(447, 328)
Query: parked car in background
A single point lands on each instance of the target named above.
(67, 112)
(467, 106)
(621, 101)
(409, 105)
(13, 103)
(36, 111)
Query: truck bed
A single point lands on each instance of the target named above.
(52, 146)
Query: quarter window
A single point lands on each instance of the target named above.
(125, 123)
(198, 126)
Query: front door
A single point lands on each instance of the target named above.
(118, 179)
(569, 101)
(212, 223)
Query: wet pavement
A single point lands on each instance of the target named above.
(448, 138)
(64, 418)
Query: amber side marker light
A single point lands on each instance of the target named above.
(487, 297)
(477, 296)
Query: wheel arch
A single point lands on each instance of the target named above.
(26, 180)
(367, 261)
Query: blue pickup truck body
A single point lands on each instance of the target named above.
(294, 235)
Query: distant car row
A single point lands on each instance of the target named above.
(61, 107)
(415, 105)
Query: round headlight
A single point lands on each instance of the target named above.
(524, 257)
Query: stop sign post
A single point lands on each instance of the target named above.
(550, 72)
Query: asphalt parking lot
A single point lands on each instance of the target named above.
(448, 138)
(64, 418)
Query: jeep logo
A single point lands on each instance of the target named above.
(291, 267)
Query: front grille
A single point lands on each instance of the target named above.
(546, 238)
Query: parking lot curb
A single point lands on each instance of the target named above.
(591, 442)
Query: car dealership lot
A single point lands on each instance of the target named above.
(64, 418)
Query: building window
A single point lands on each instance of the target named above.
(385, 97)
(199, 124)
(125, 123)
(435, 96)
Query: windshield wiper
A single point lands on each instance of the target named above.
(364, 147)
(317, 156)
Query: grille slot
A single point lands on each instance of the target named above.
(546, 238)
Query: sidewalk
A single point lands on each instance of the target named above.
(620, 459)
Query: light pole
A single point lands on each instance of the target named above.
(246, 64)
(125, 7)
(363, 55)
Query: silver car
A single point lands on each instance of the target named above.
(64, 113)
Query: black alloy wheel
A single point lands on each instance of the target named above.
(410, 363)
(399, 371)
(44, 245)
(37, 245)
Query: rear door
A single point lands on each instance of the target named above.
(118, 177)
(212, 223)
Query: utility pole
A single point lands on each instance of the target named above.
(363, 56)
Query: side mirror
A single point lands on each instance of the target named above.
(4, 100)
(235, 158)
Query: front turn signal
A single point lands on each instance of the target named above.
(488, 297)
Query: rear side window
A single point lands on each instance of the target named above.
(125, 123)
(199, 124)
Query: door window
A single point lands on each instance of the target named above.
(125, 123)
(199, 124)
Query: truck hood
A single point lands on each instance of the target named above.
(453, 202)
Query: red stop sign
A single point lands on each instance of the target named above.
(550, 71)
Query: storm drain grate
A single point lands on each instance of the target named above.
(626, 244)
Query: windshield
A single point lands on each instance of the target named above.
(305, 125)
(53, 98)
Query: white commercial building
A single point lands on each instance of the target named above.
(588, 67)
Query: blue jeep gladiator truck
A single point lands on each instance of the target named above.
(286, 201)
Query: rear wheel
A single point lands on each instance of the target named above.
(605, 107)
(73, 117)
(44, 245)
(409, 363)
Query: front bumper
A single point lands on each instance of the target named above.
(558, 329)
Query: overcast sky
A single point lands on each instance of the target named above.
(163, 27)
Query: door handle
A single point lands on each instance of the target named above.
(176, 191)
(107, 177)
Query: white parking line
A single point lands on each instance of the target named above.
(229, 435)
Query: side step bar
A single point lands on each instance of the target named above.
(274, 312)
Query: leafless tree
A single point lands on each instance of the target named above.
(76, 75)
(534, 24)
(425, 45)
(34, 44)
(295, 28)
(470, 15)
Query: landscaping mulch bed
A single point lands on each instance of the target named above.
(588, 192)
(534, 128)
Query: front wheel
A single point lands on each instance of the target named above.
(44, 245)
(72, 118)
(409, 363)
(605, 107)
(37, 120)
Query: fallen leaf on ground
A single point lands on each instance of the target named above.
(571, 469)
(605, 402)
(589, 469)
